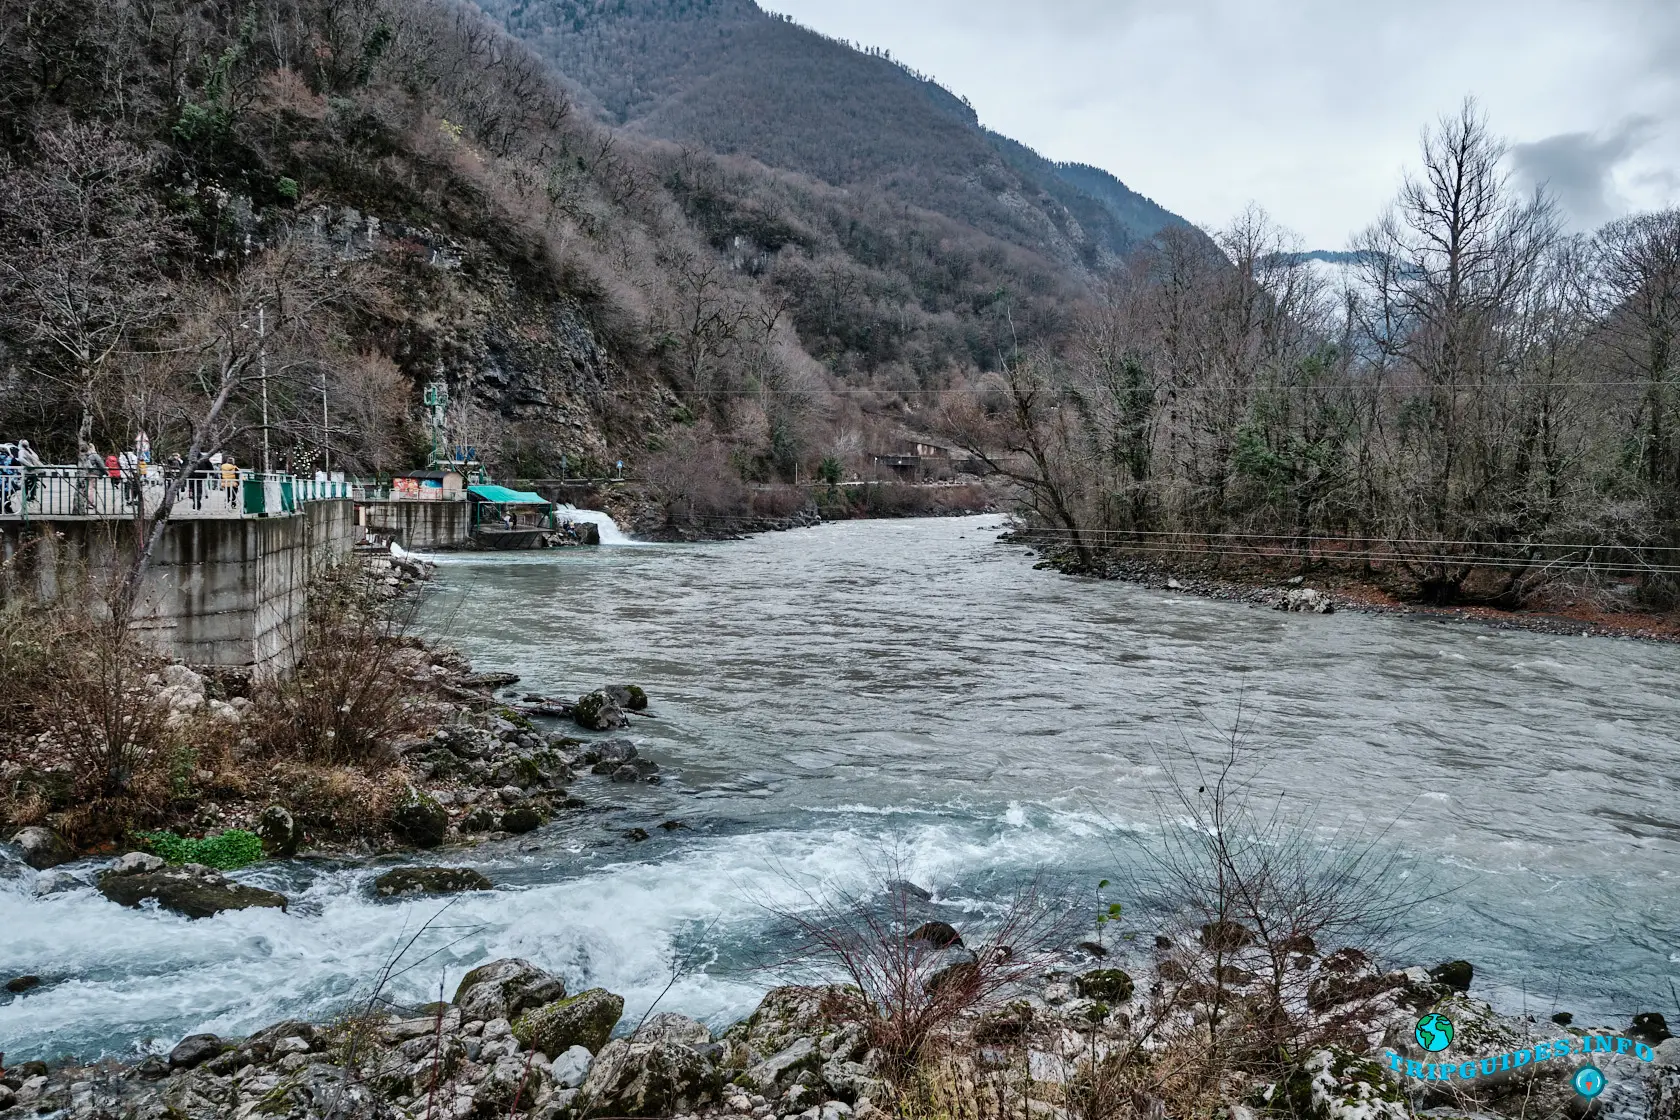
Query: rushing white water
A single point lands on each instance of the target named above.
(824, 695)
(611, 534)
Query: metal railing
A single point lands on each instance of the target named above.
(53, 492)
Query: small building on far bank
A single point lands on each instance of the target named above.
(429, 486)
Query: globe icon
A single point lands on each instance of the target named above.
(1434, 1033)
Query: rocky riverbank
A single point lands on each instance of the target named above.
(1328, 591)
(1082, 1040)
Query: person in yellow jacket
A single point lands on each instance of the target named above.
(230, 480)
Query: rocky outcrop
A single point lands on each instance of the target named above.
(658, 1078)
(43, 848)
(429, 880)
(191, 890)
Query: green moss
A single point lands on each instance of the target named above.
(227, 850)
(516, 718)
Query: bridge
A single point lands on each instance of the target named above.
(59, 493)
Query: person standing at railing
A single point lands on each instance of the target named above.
(8, 477)
(93, 469)
(31, 470)
(128, 474)
(230, 481)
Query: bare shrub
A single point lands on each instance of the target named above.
(347, 702)
(692, 479)
(1255, 890)
(908, 985)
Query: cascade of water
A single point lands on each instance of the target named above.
(610, 532)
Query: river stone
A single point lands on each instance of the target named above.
(955, 967)
(420, 820)
(135, 862)
(522, 819)
(279, 833)
(504, 988)
(630, 697)
(43, 848)
(192, 890)
(1224, 936)
(1454, 974)
(596, 711)
(586, 1019)
(481, 819)
(196, 1049)
(941, 935)
(571, 1068)
(429, 880)
(1110, 985)
(635, 770)
(1651, 1026)
(645, 1079)
(20, 984)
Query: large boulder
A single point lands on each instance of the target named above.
(420, 820)
(630, 697)
(940, 935)
(43, 848)
(647, 1079)
(586, 1019)
(784, 1015)
(503, 989)
(279, 833)
(429, 880)
(597, 711)
(192, 890)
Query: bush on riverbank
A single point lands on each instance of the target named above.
(102, 738)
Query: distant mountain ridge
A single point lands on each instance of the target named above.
(727, 76)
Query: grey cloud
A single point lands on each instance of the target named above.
(1575, 167)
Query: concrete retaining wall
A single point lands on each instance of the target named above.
(226, 593)
(419, 525)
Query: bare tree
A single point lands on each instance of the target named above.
(84, 252)
(1450, 266)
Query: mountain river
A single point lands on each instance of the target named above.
(828, 701)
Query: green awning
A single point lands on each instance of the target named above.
(502, 496)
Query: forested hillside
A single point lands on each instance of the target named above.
(730, 78)
(342, 203)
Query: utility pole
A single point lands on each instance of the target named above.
(326, 439)
(262, 365)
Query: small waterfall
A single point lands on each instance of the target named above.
(610, 532)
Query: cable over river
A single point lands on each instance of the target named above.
(826, 695)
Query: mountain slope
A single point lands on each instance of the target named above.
(730, 78)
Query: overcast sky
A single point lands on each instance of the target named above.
(1311, 108)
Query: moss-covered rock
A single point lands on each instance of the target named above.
(597, 711)
(279, 833)
(1335, 1085)
(193, 891)
(1454, 974)
(429, 880)
(522, 818)
(586, 1019)
(420, 820)
(1110, 985)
